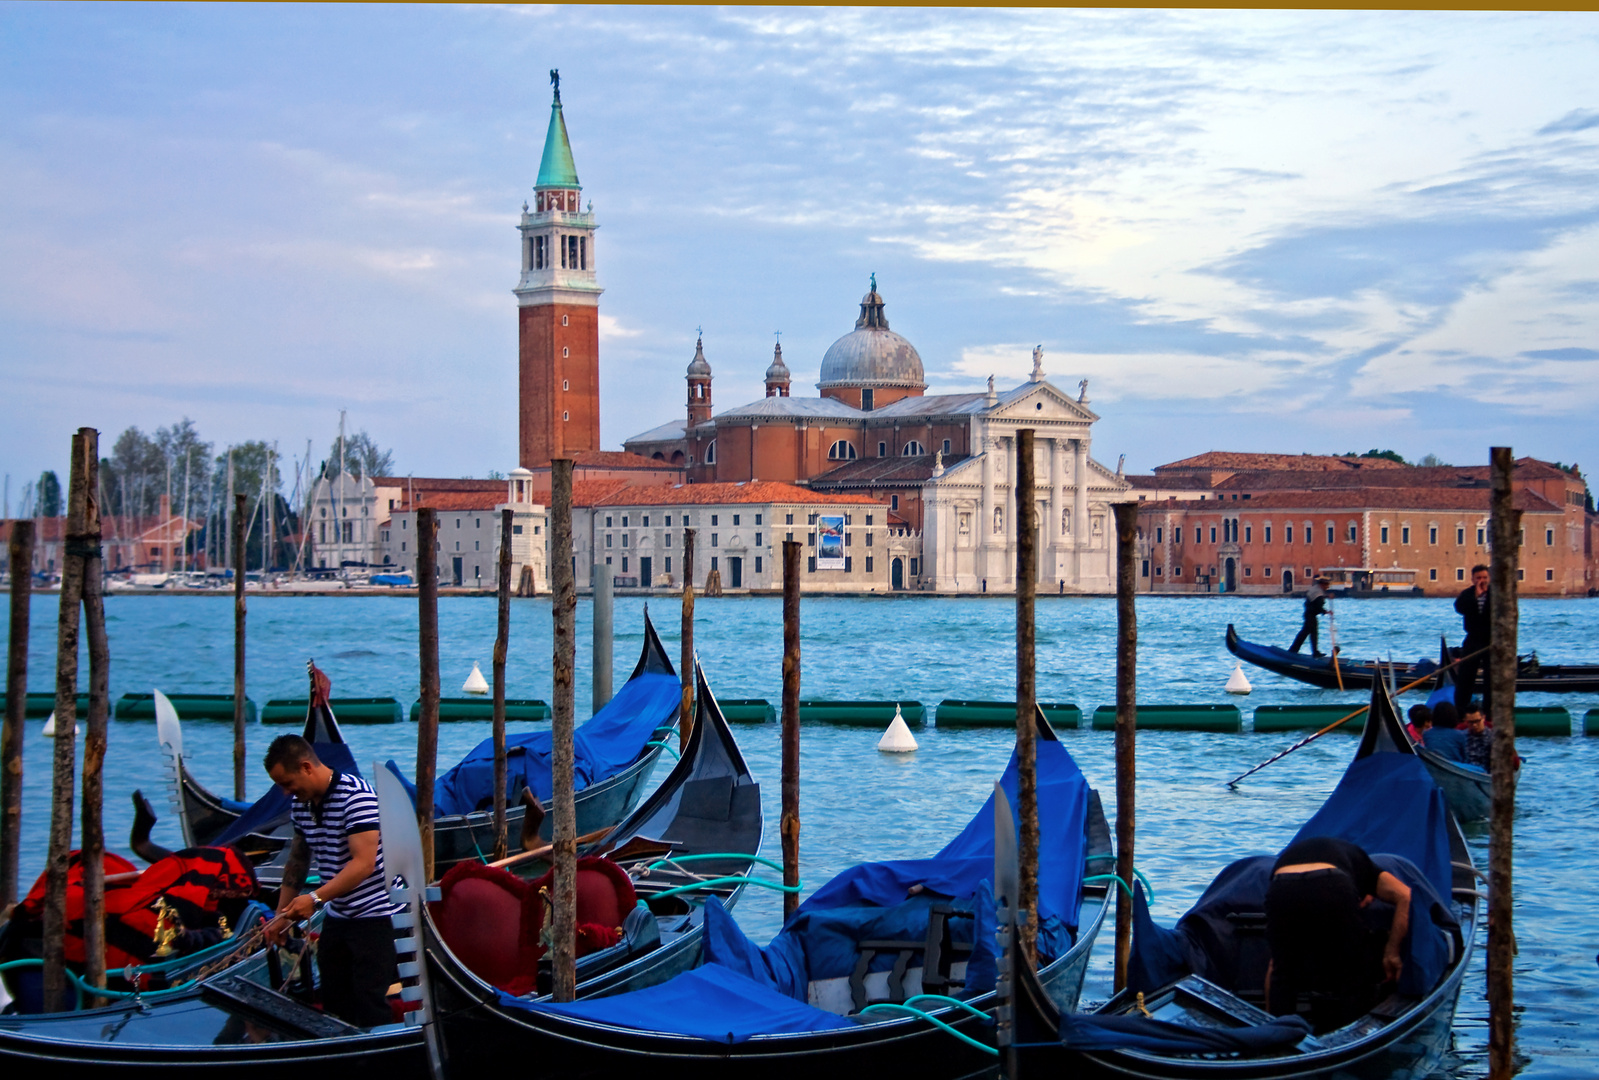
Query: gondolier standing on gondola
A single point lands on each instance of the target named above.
(1472, 605)
(1315, 607)
(336, 825)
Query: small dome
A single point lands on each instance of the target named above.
(699, 365)
(872, 354)
(778, 371)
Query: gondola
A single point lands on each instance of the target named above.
(738, 1015)
(618, 750)
(1532, 676)
(1468, 789)
(238, 1023)
(1192, 1006)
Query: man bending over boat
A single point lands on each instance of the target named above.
(336, 825)
(1321, 943)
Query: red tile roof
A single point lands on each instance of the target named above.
(1406, 498)
(458, 500)
(1227, 459)
(753, 491)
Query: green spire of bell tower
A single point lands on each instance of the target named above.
(557, 170)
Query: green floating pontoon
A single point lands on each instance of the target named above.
(189, 706)
(39, 706)
(1545, 720)
(1590, 722)
(1312, 717)
(352, 710)
(876, 714)
(1175, 718)
(753, 710)
(520, 710)
(953, 714)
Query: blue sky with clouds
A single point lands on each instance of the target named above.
(1250, 230)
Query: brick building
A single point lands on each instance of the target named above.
(1263, 524)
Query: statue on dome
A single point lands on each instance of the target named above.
(555, 81)
(1082, 392)
(1038, 363)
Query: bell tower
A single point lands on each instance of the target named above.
(558, 300)
(699, 385)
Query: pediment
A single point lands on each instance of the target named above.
(1042, 401)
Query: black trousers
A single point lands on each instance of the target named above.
(1466, 675)
(1309, 630)
(356, 960)
(1321, 948)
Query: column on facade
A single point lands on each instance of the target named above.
(985, 523)
(1057, 505)
(1081, 534)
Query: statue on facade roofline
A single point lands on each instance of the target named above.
(1038, 363)
(1082, 392)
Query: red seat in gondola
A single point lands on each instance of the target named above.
(493, 921)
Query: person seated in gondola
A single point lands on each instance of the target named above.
(1445, 738)
(1479, 737)
(1321, 938)
(1420, 721)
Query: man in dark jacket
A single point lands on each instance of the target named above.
(1474, 608)
(1315, 607)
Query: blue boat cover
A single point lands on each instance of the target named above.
(873, 901)
(272, 809)
(604, 746)
(1092, 1031)
(1386, 803)
(710, 1002)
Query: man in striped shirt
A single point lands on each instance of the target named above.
(336, 826)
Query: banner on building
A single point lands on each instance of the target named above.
(830, 542)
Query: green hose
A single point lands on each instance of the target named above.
(1137, 873)
(84, 988)
(935, 1021)
(675, 755)
(694, 887)
(715, 855)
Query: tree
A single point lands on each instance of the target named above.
(1432, 461)
(49, 495)
(1389, 455)
(362, 457)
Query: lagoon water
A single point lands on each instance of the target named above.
(860, 804)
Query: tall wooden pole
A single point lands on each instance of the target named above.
(563, 916)
(238, 642)
(790, 828)
(685, 708)
(92, 824)
(57, 990)
(427, 721)
(1126, 724)
(1505, 526)
(1026, 691)
(502, 644)
(21, 551)
(604, 634)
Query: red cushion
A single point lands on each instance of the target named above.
(481, 919)
(605, 895)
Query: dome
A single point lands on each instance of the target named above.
(872, 354)
(699, 365)
(778, 371)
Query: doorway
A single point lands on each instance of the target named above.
(735, 571)
(1288, 581)
(457, 570)
(896, 575)
(1230, 570)
(645, 571)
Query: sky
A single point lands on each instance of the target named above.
(1271, 231)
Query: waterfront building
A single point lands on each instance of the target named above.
(467, 547)
(146, 543)
(1261, 524)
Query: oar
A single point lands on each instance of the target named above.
(1308, 739)
(541, 852)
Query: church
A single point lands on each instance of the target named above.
(940, 465)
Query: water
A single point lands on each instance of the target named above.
(859, 804)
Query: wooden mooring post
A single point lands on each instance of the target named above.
(1026, 693)
(21, 553)
(790, 827)
(563, 913)
(604, 634)
(502, 645)
(57, 989)
(685, 708)
(238, 642)
(427, 721)
(1126, 725)
(1505, 532)
(92, 823)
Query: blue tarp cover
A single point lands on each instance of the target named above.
(272, 809)
(872, 902)
(1386, 803)
(710, 1002)
(1088, 1031)
(604, 746)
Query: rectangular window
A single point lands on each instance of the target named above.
(757, 564)
(1177, 534)
(1268, 573)
(607, 521)
(1549, 537)
(1246, 571)
(946, 446)
(868, 564)
(788, 519)
(1460, 573)
(668, 521)
(1177, 571)
(538, 253)
(868, 519)
(516, 530)
(624, 521)
(607, 539)
(1549, 574)
(713, 519)
(1267, 533)
(810, 564)
(1460, 537)
(477, 545)
(789, 537)
(1432, 534)
(1288, 534)
(1383, 532)
(1404, 535)
(1146, 569)
(915, 561)
(646, 521)
(402, 545)
(404, 524)
(811, 518)
(1353, 535)
(893, 502)
(735, 520)
(849, 564)
(1160, 571)
(607, 560)
(624, 564)
(1480, 537)
(626, 537)
(583, 253)
(1329, 534)
(1432, 574)
(1521, 573)
(1158, 537)
(668, 539)
(757, 539)
(668, 564)
(715, 539)
(713, 562)
(1249, 533)
(882, 449)
(757, 519)
(810, 539)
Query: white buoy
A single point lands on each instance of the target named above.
(475, 683)
(1236, 683)
(49, 731)
(898, 738)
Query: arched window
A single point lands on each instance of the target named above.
(913, 449)
(843, 450)
(710, 452)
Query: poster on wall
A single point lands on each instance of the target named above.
(830, 542)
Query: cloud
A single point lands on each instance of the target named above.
(1575, 120)
(1562, 354)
